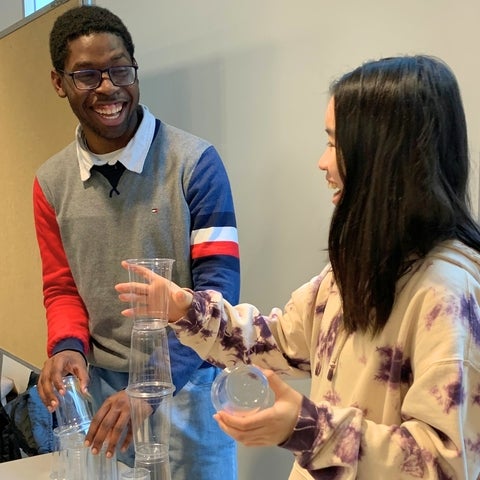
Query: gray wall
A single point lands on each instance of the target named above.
(10, 12)
(252, 76)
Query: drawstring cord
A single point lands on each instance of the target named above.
(334, 359)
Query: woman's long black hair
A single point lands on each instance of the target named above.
(402, 151)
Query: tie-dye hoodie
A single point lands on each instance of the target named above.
(404, 405)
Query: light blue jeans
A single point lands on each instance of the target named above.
(199, 450)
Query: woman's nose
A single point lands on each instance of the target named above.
(322, 161)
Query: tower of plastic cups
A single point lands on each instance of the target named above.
(71, 459)
(150, 388)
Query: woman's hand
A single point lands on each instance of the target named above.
(271, 426)
(151, 295)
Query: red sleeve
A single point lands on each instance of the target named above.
(66, 313)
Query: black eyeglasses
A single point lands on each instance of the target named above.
(91, 79)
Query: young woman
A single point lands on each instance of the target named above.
(390, 330)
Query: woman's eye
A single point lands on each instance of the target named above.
(330, 145)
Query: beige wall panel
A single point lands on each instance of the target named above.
(34, 124)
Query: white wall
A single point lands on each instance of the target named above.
(252, 77)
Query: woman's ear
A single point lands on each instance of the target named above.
(57, 82)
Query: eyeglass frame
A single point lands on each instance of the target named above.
(101, 79)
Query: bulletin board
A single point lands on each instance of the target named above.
(34, 124)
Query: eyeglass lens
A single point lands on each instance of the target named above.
(90, 79)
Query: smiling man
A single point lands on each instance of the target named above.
(128, 186)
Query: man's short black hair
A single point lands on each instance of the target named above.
(81, 21)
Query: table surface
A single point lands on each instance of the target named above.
(37, 467)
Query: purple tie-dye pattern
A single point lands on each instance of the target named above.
(215, 362)
(320, 309)
(203, 297)
(470, 311)
(300, 363)
(474, 446)
(332, 397)
(263, 329)
(312, 422)
(326, 343)
(348, 446)
(215, 311)
(431, 316)
(476, 396)
(265, 342)
(234, 342)
(453, 396)
(192, 321)
(413, 461)
(313, 426)
(393, 369)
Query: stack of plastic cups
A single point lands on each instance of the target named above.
(71, 459)
(74, 415)
(150, 388)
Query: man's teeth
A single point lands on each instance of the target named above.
(109, 110)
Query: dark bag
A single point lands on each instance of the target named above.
(30, 424)
(9, 447)
(21, 426)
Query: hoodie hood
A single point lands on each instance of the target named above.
(458, 254)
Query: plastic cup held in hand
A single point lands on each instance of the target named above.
(149, 299)
(74, 407)
(241, 390)
(149, 363)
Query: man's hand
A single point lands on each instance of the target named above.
(56, 367)
(109, 424)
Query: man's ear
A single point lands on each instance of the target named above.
(57, 82)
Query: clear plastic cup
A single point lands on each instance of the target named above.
(101, 467)
(149, 301)
(71, 463)
(136, 473)
(149, 362)
(241, 390)
(150, 407)
(74, 407)
(59, 461)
